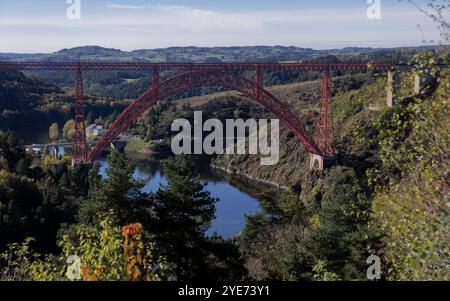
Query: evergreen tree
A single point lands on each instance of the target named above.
(341, 238)
(119, 192)
(183, 212)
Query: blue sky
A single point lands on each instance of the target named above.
(43, 26)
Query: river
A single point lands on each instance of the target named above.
(237, 196)
(233, 203)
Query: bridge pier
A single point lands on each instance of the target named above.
(155, 83)
(325, 128)
(316, 162)
(257, 82)
(422, 81)
(79, 154)
(320, 163)
(393, 86)
(54, 152)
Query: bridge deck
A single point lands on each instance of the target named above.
(143, 66)
(69, 144)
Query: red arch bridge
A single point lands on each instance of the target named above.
(191, 75)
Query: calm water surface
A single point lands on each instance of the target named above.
(237, 196)
(232, 207)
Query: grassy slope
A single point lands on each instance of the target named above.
(349, 109)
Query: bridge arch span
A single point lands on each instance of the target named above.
(182, 82)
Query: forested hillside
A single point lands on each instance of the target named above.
(29, 105)
(220, 54)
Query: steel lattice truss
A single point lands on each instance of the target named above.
(195, 75)
(79, 145)
(143, 66)
(325, 129)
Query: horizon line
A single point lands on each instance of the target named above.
(234, 46)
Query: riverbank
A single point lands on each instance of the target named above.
(141, 148)
(250, 177)
(136, 146)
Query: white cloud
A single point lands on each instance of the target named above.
(129, 27)
(194, 19)
(123, 6)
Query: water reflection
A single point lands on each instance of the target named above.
(236, 196)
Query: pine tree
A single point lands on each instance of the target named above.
(342, 238)
(119, 192)
(183, 212)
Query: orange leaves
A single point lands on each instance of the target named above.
(89, 276)
(131, 230)
(133, 252)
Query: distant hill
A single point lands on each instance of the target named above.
(223, 54)
(90, 50)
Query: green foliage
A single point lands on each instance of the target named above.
(119, 192)
(341, 236)
(35, 200)
(296, 244)
(16, 261)
(69, 130)
(183, 211)
(411, 203)
(321, 273)
(20, 201)
(11, 151)
(101, 253)
(54, 132)
(175, 217)
(19, 92)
